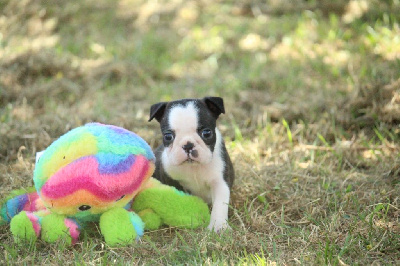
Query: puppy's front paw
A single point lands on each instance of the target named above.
(218, 226)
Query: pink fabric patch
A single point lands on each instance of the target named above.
(73, 230)
(31, 204)
(35, 223)
(84, 175)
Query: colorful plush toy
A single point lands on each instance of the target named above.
(95, 173)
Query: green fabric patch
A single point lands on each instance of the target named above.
(116, 227)
(152, 220)
(22, 229)
(54, 229)
(175, 209)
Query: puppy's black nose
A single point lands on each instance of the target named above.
(188, 147)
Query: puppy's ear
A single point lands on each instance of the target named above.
(157, 111)
(215, 105)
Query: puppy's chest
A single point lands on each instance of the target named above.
(196, 179)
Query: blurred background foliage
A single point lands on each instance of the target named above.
(64, 63)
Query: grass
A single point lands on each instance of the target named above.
(312, 123)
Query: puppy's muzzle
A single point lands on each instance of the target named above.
(189, 149)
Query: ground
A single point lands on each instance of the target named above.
(312, 94)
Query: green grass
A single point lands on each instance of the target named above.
(312, 121)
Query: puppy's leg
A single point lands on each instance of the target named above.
(220, 201)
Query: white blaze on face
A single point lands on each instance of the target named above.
(183, 120)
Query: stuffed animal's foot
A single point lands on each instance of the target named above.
(56, 227)
(174, 207)
(152, 220)
(25, 226)
(120, 227)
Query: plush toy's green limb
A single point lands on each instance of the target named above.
(152, 220)
(23, 228)
(54, 229)
(117, 228)
(18, 192)
(7, 211)
(173, 206)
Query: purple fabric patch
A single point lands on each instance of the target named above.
(112, 164)
(16, 205)
(119, 130)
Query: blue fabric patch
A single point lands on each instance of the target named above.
(128, 206)
(15, 206)
(80, 225)
(119, 139)
(3, 215)
(179, 192)
(137, 223)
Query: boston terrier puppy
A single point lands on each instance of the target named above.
(193, 157)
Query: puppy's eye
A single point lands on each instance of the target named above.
(84, 207)
(206, 133)
(169, 136)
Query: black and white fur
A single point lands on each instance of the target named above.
(193, 156)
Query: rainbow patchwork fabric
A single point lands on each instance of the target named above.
(91, 169)
(93, 173)
(20, 200)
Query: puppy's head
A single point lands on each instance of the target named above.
(189, 129)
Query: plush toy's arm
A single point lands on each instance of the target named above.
(49, 226)
(26, 226)
(120, 227)
(19, 200)
(29, 219)
(173, 207)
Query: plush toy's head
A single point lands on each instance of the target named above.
(91, 169)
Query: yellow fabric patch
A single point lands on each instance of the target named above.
(87, 146)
